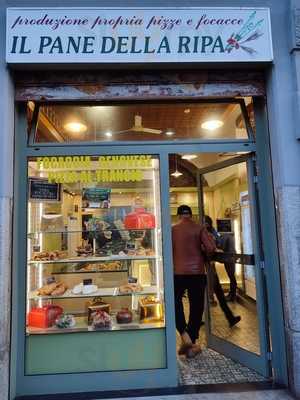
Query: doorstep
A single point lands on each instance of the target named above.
(261, 390)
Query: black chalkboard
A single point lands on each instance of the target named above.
(41, 189)
(224, 225)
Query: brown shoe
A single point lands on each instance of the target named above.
(184, 348)
(186, 343)
(193, 351)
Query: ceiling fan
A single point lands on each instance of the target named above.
(138, 127)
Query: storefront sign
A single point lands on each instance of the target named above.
(137, 35)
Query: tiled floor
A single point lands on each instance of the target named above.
(245, 334)
(210, 367)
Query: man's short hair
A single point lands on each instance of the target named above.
(184, 210)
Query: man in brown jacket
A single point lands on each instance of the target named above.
(191, 243)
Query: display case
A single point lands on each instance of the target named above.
(94, 258)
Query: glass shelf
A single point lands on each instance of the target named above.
(92, 259)
(82, 326)
(103, 292)
(91, 231)
(89, 272)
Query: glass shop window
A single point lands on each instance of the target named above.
(141, 121)
(94, 256)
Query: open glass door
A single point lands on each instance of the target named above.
(227, 194)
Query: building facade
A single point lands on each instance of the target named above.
(28, 91)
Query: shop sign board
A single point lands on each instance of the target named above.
(137, 35)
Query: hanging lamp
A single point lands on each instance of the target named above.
(176, 173)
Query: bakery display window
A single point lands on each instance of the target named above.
(94, 246)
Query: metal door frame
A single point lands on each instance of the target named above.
(259, 362)
(162, 377)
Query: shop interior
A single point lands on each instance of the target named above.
(224, 195)
(94, 247)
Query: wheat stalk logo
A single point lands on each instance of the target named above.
(238, 40)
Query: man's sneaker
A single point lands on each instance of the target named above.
(234, 321)
(231, 297)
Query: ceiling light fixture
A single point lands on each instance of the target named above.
(189, 157)
(212, 124)
(187, 111)
(169, 132)
(176, 173)
(75, 127)
(108, 134)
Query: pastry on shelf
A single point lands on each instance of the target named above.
(110, 266)
(52, 289)
(57, 255)
(88, 267)
(46, 290)
(48, 255)
(101, 320)
(85, 250)
(150, 252)
(59, 290)
(130, 288)
(131, 252)
(141, 252)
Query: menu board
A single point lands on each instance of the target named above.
(41, 189)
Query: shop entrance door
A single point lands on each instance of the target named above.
(238, 263)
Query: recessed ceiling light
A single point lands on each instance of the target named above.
(212, 124)
(108, 134)
(187, 111)
(75, 127)
(169, 132)
(189, 156)
(176, 174)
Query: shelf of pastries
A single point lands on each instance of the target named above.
(92, 259)
(98, 317)
(57, 290)
(81, 325)
(89, 268)
(93, 231)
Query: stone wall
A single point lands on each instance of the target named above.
(288, 222)
(5, 293)
(6, 195)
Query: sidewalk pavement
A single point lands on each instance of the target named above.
(253, 395)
